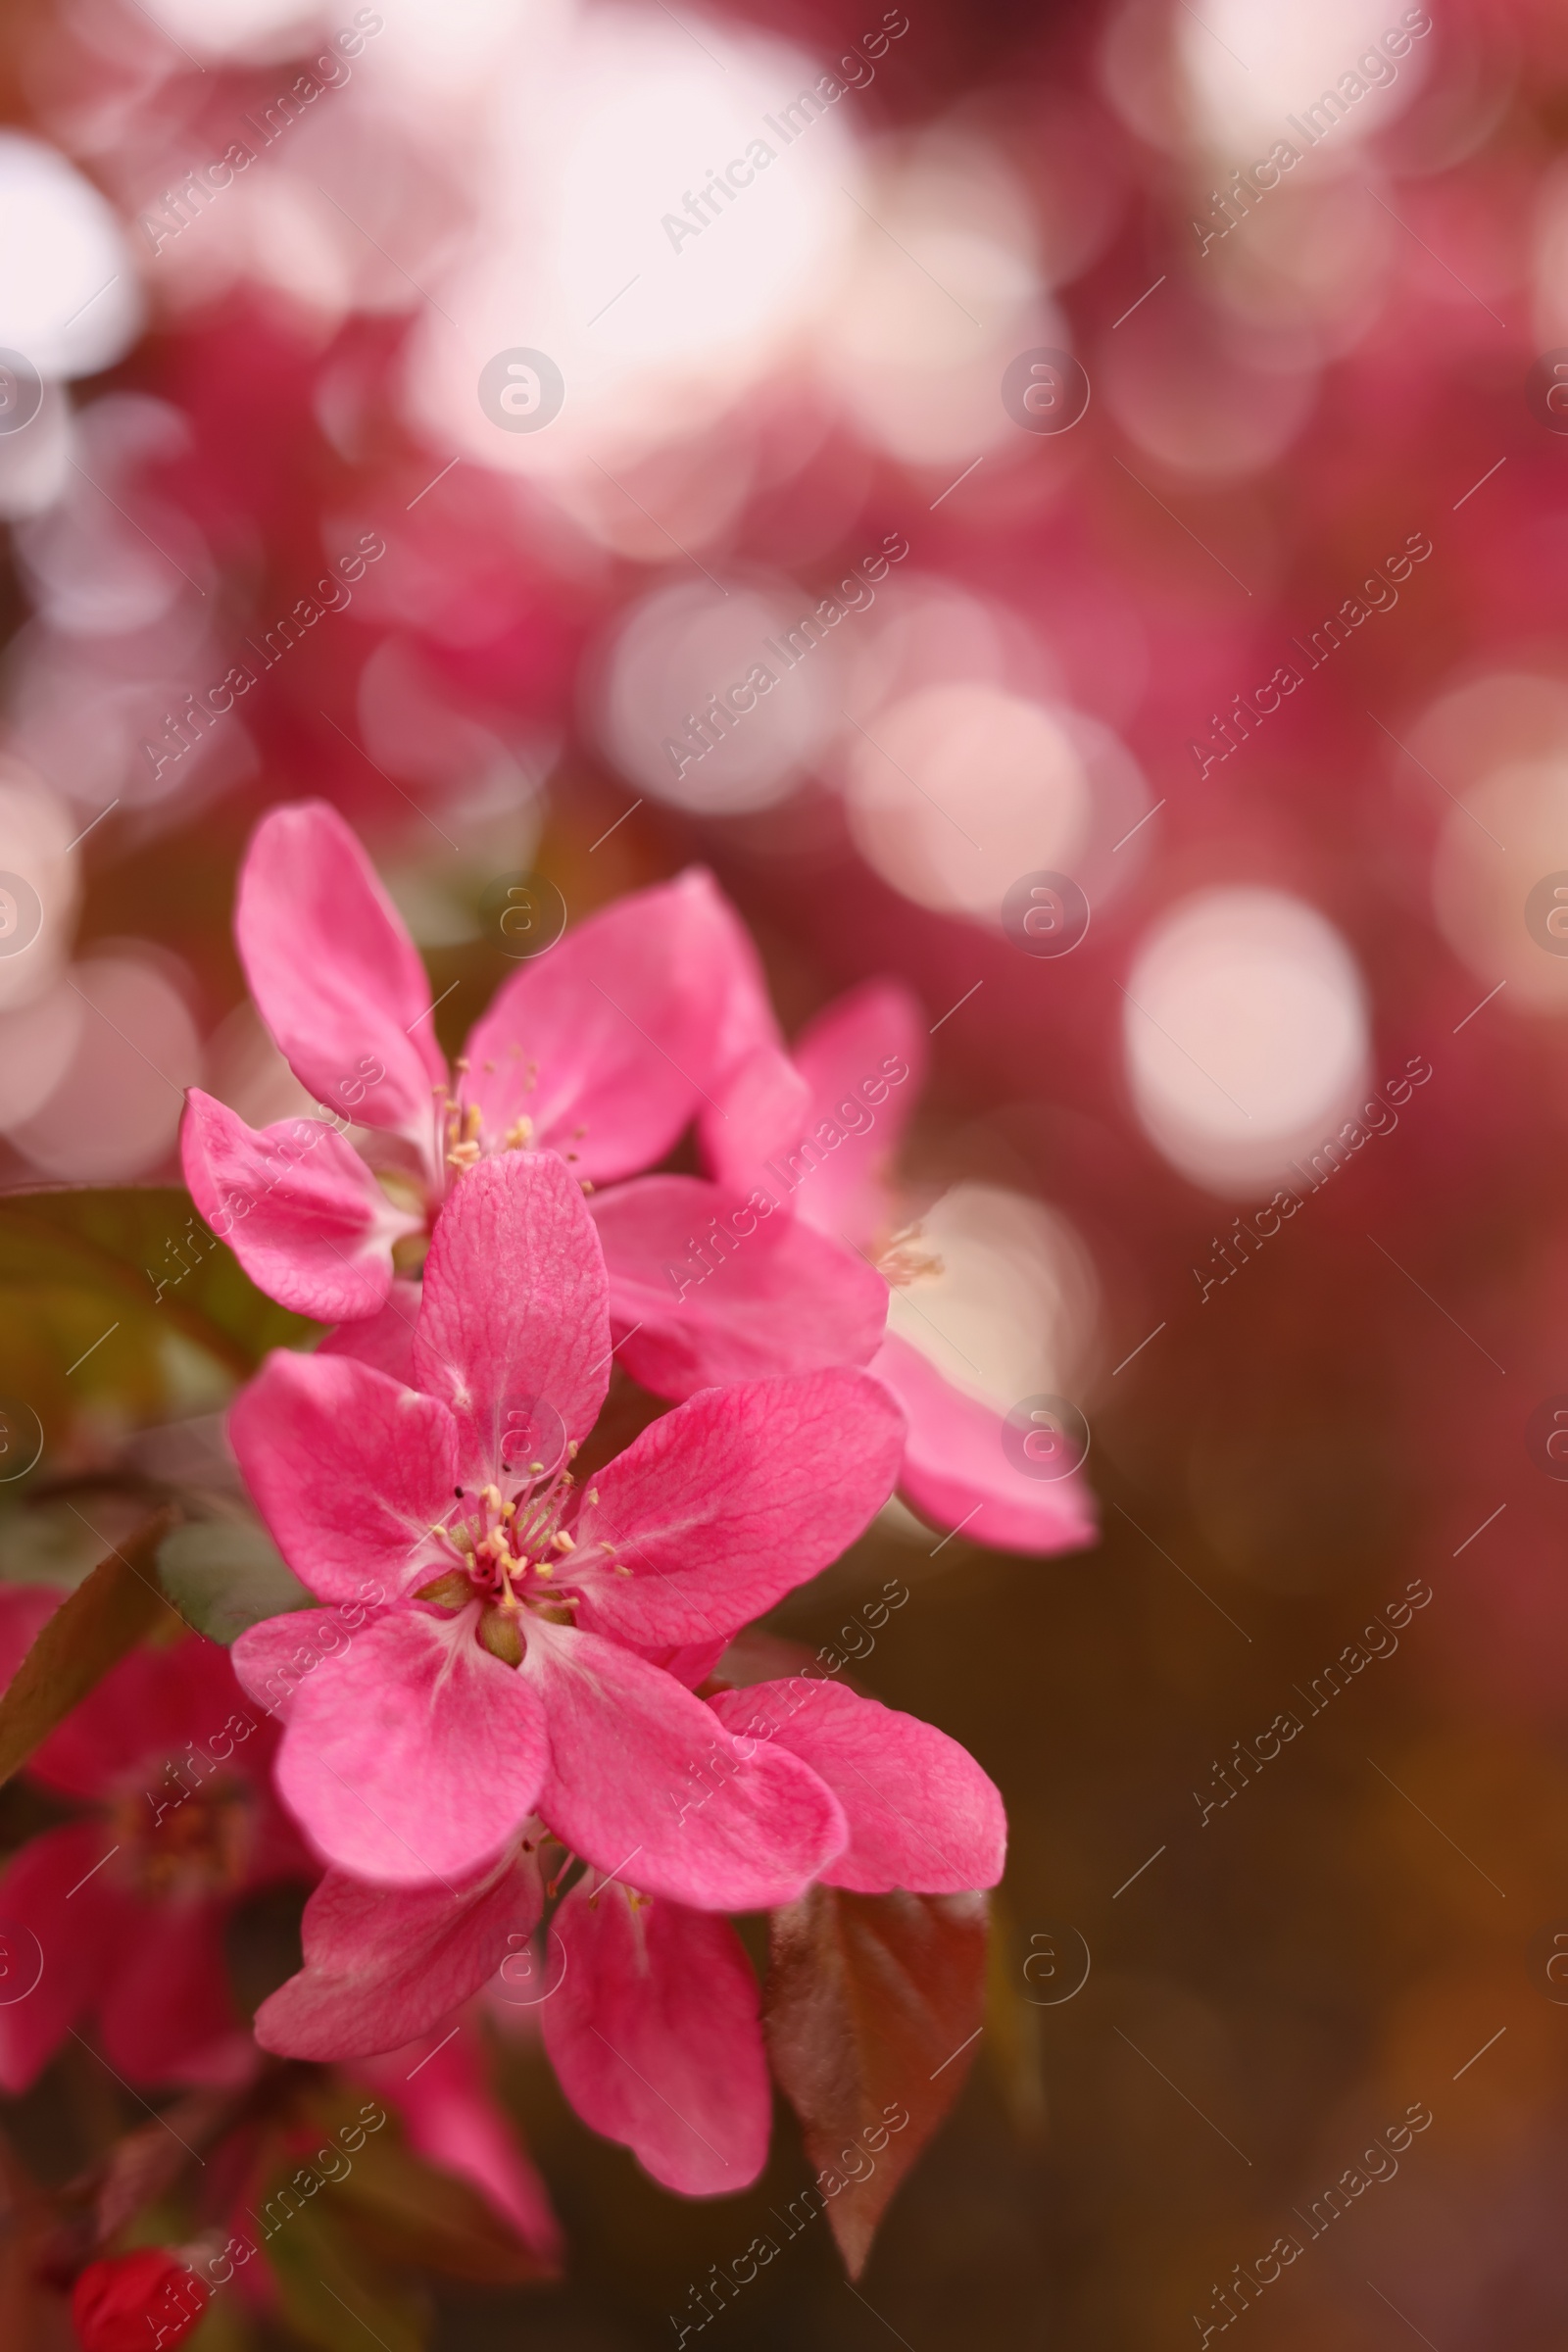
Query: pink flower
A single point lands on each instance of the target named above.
(649, 2007)
(597, 1049)
(121, 1913)
(127, 2301)
(654, 2032)
(512, 1668)
(705, 1286)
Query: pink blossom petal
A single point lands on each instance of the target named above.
(643, 1779)
(451, 2117)
(746, 1017)
(334, 974)
(350, 1471)
(922, 1815)
(864, 1061)
(166, 2013)
(606, 1043)
(654, 2037)
(722, 1506)
(62, 1907)
(298, 1207)
(762, 1112)
(690, 1662)
(516, 1304)
(384, 1339)
(956, 1473)
(412, 1755)
(274, 1656)
(138, 1718)
(277, 1851)
(775, 1298)
(383, 1964)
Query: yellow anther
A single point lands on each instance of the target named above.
(518, 1136)
(564, 1542)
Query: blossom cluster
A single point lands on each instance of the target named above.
(522, 1724)
(1232, 635)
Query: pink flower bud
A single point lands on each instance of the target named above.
(130, 2301)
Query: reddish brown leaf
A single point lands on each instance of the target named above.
(90, 1631)
(1012, 2032)
(143, 2166)
(871, 2010)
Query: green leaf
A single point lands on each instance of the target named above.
(90, 1631)
(871, 2009)
(147, 1249)
(223, 2327)
(409, 2210)
(223, 1575)
(330, 2292)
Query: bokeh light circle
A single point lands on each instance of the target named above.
(718, 702)
(1244, 1033)
(115, 1108)
(957, 790)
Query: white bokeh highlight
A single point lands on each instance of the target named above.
(681, 646)
(1249, 65)
(114, 1109)
(1245, 1031)
(1012, 1306)
(70, 299)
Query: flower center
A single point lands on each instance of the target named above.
(461, 1126)
(510, 1554)
(182, 1841)
(908, 1256)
